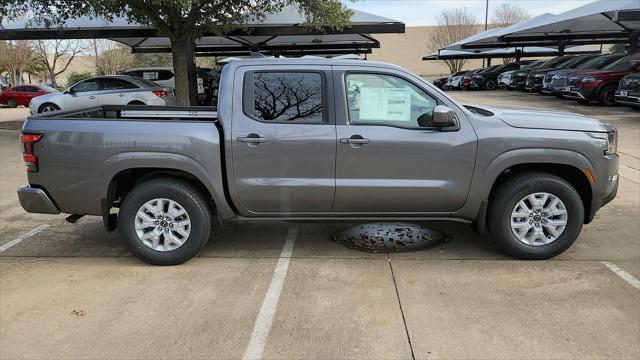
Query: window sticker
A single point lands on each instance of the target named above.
(150, 75)
(384, 104)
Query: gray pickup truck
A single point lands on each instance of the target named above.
(308, 139)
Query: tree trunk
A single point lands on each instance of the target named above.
(184, 69)
(52, 75)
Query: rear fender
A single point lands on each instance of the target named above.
(212, 179)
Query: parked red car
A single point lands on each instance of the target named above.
(601, 85)
(22, 95)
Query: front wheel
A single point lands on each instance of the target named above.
(165, 221)
(536, 216)
(12, 103)
(608, 96)
(48, 107)
(490, 85)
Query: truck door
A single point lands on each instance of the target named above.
(283, 140)
(389, 158)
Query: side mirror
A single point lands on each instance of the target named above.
(443, 117)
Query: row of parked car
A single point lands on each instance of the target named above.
(607, 79)
(145, 86)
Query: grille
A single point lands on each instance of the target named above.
(573, 81)
(630, 84)
(548, 78)
(560, 82)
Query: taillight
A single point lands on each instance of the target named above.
(30, 159)
(160, 93)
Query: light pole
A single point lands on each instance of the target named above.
(486, 22)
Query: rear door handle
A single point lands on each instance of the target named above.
(92, 97)
(252, 139)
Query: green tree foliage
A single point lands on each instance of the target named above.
(74, 77)
(617, 49)
(182, 21)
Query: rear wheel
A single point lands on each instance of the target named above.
(48, 107)
(607, 96)
(12, 103)
(165, 221)
(536, 216)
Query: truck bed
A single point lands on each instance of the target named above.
(81, 152)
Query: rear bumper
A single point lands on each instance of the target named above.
(35, 200)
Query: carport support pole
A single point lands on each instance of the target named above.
(633, 42)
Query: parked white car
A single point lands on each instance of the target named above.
(104, 90)
(163, 76)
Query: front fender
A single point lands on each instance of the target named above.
(486, 174)
(211, 176)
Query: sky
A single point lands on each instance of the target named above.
(424, 12)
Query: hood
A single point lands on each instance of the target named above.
(548, 120)
(48, 96)
(602, 72)
(510, 72)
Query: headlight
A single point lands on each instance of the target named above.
(538, 75)
(588, 79)
(611, 139)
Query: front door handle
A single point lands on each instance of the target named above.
(252, 139)
(92, 97)
(355, 140)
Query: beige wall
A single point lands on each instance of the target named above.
(407, 50)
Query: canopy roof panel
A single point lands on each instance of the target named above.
(527, 51)
(289, 21)
(595, 18)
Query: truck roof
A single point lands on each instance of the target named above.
(311, 61)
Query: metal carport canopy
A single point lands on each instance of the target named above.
(599, 22)
(491, 36)
(527, 51)
(279, 32)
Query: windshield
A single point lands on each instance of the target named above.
(626, 63)
(48, 88)
(488, 69)
(574, 62)
(599, 62)
(553, 62)
(533, 65)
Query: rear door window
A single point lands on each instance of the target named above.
(284, 97)
(116, 84)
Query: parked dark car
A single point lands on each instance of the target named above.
(22, 94)
(439, 83)
(601, 85)
(506, 78)
(488, 80)
(520, 78)
(556, 81)
(628, 92)
(481, 71)
(466, 79)
(536, 77)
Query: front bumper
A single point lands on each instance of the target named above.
(579, 93)
(631, 98)
(606, 187)
(35, 200)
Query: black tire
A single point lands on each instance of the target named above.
(188, 197)
(44, 106)
(490, 85)
(515, 189)
(12, 103)
(607, 96)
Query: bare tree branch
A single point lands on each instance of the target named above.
(453, 25)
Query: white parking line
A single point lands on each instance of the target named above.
(623, 274)
(268, 309)
(22, 237)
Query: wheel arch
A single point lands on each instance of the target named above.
(123, 171)
(567, 164)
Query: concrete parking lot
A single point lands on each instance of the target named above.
(285, 290)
